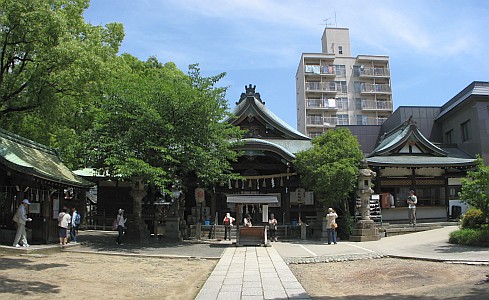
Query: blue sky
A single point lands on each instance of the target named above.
(436, 48)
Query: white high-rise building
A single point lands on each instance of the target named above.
(334, 88)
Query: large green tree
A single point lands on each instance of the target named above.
(159, 123)
(52, 64)
(330, 167)
(475, 188)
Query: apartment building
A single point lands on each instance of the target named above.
(334, 88)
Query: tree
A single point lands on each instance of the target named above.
(330, 167)
(158, 123)
(475, 188)
(52, 65)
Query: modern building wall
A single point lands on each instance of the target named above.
(464, 120)
(334, 88)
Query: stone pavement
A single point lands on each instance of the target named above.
(252, 273)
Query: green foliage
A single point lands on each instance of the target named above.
(473, 218)
(346, 224)
(51, 68)
(475, 188)
(156, 122)
(470, 237)
(330, 167)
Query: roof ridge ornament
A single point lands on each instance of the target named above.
(250, 92)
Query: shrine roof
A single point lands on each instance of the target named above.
(31, 158)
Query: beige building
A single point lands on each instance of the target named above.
(334, 88)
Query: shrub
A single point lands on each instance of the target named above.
(473, 218)
(470, 237)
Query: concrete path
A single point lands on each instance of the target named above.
(252, 273)
(429, 245)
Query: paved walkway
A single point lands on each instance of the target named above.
(252, 273)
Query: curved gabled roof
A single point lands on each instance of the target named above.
(285, 148)
(407, 132)
(250, 104)
(406, 146)
(28, 157)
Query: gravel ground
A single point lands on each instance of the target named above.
(388, 278)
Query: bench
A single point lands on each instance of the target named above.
(253, 236)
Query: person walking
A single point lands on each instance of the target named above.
(64, 220)
(121, 225)
(412, 200)
(20, 218)
(228, 224)
(272, 225)
(76, 219)
(331, 225)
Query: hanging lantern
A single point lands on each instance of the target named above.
(242, 184)
(258, 184)
(249, 183)
(273, 182)
(281, 181)
(236, 184)
(229, 184)
(264, 183)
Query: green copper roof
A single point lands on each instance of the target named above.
(406, 146)
(31, 158)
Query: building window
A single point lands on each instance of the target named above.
(465, 128)
(356, 71)
(449, 136)
(342, 103)
(341, 86)
(357, 86)
(362, 120)
(342, 119)
(358, 103)
(340, 49)
(340, 70)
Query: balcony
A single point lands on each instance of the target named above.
(323, 104)
(318, 121)
(370, 121)
(370, 105)
(328, 71)
(374, 72)
(371, 88)
(330, 87)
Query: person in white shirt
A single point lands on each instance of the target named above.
(121, 225)
(331, 225)
(412, 201)
(228, 224)
(247, 221)
(20, 218)
(64, 220)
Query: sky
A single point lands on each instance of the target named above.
(436, 47)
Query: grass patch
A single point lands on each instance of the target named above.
(470, 237)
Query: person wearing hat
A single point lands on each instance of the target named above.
(412, 201)
(121, 225)
(20, 218)
(331, 225)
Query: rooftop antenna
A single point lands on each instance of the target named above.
(335, 22)
(326, 23)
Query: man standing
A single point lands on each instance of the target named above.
(21, 218)
(412, 200)
(75, 222)
(228, 224)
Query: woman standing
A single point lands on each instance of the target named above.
(272, 223)
(64, 220)
(331, 225)
(121, 225)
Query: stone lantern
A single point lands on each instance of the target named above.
(136, 229)
(365, 229)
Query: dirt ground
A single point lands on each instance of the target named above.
(96, 276)
(389, 278)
